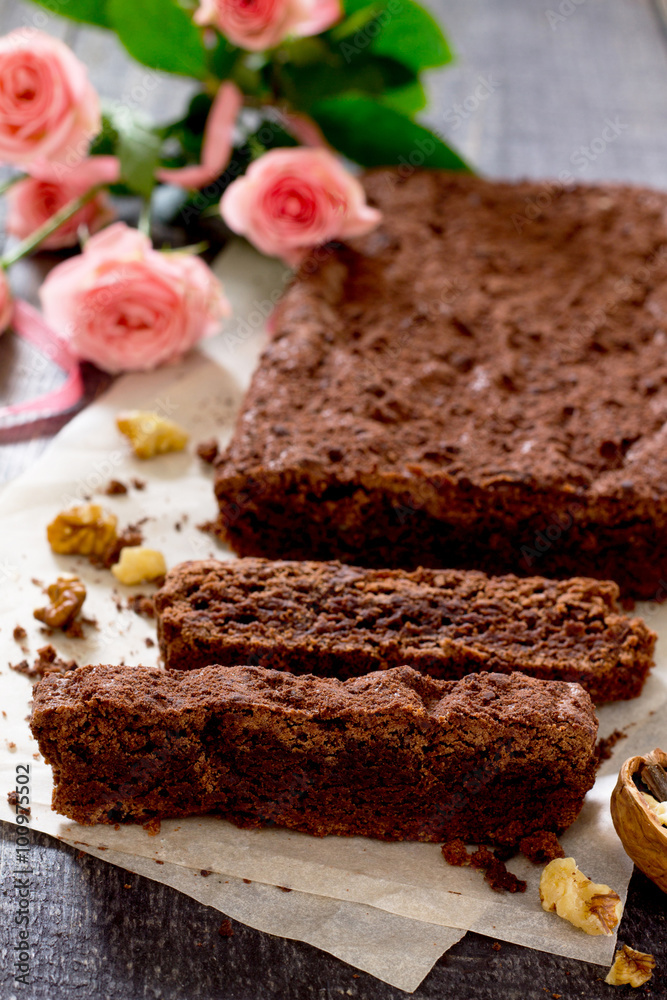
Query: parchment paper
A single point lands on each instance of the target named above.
(376, 905)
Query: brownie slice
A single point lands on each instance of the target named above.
(394, 754)
(343, 621)
(481, 382)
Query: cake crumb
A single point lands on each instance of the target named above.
(496, 874)
(114, 488)
(247, 881)
(204, 873)
(207, 527)
(142, 605)
(149, 642)
(208, 450)
(454, 852)
(541, 847)
(47, 662)
(152, 827)
(139, 484)
(19, 633)
(605, 746)
(225, 929)
(496, 946)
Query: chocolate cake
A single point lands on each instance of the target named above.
(481, 382)
(343, 621)
(393, 755)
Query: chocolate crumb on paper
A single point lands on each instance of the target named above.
(208, 450)
(142, 605)
(605, 746)
(496, 874)
(115, 488)
(46, 662)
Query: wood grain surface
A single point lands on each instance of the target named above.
(535, 84)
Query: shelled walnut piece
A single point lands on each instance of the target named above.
(150, 434)
(592, 906)
(630, 967)
(66, 595)
(138, 564)
(86, 529)
(638, 823)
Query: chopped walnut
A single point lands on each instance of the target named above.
(659, 808)
(67, 595)
(593, 907)
(84, 530)
(630, 966)
(150, 434)
(138, 564)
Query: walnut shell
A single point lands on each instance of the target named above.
(642, 834)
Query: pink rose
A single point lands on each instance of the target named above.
(262, 24)
(6, 302)
(128, 307)
(217, 145)
(291, 200)
(33, 201)
(48, 109)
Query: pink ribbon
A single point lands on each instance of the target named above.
(28, 323)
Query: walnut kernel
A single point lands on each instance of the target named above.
(593, 907)
(630, 966)
(138, 564)
(67, 595)
(86, 530)
(659, 808)
(150, 434)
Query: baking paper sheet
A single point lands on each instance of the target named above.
(396, 890)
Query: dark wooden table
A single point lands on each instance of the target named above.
(535, 84)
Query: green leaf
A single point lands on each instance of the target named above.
(401, 29)
(408, 99)
(223, 58)
(138, 148)
(409, 34)
(159, 34)
(88, 11)
(375, 135)
(304, 85)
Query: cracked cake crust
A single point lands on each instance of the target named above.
(393, 755)
(468, 387)
(342, 621)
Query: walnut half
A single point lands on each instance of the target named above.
(630, 966)
(640, 823)
(150, 434)
(593, 907)
(86, 530)
(67, 595)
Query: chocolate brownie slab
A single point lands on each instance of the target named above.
(342, 621)
(394, 754)
(481, 382)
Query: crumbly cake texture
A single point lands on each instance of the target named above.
(334, 620)
(481, 382)
(393, 755)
